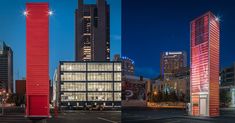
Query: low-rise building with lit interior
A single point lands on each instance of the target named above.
(86, 83)
(135, 90)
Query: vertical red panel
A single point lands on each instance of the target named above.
(37, 61)
(204, 60)
(37, 105)
(214, 66)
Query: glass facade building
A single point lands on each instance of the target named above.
(204, 65)
(89, 82)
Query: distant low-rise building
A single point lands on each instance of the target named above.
(230, 92)
(135, 90)
(20, 86)
(179, 83)
(227, 84)
(227, 76)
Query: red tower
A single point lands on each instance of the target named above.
(37, 60)
(204, 71)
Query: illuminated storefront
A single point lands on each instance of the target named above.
(204, 71)
(88, 83)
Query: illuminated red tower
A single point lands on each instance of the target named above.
(37, 61)
(204, 71)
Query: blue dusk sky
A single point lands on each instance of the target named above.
(62, 30)
(150, 27)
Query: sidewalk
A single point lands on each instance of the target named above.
(13, 115)
(228, 109)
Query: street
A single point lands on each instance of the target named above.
(134, 115)
(70, 117)
(145, 115)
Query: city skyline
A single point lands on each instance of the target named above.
(62, 31)
(169, 30)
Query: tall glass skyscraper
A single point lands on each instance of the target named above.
(204, 68)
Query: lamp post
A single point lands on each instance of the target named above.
(155, 93)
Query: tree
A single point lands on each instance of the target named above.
(225, 97)
(182, 97)
(173, 97)
(17, 99)
(165, 96)
(159, 96)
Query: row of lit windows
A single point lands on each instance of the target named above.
(72, 86)
(73, 97)
(91, 67)
(94, 86)
(73, 77)
(73, 67)
(91, 76)
(100, 67)
(101, 96)
(100, 86)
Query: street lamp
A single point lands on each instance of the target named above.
(155, 93)
(217, 18)
(50, 12)
(26, 13)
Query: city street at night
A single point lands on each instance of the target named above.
(70, 117)
(117, 61)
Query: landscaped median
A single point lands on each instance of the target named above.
(178, 105)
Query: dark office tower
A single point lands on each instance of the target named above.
(92, 31)
(173, 63)
(6, 68)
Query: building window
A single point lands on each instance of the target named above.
(117, 67)
(73, 77)
(99, 76)
(118, 86)
(69, 96)
(102, 96)
(98, 86)
(73, 67)
(71, 86)
(117, 96)
(117, 76)
(100, 67)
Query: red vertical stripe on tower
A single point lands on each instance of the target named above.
(37, 61)
(204, 72)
